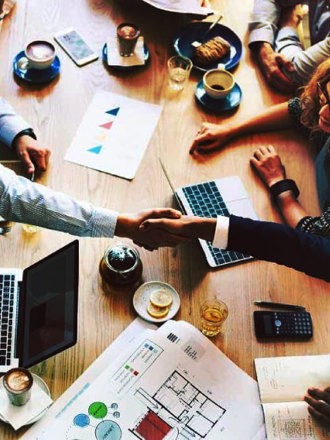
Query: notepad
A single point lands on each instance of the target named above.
(283, 382)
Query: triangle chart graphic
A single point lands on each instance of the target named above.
(107, 125)
(114, 111)
(95, 150)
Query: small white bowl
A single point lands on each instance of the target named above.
(218, 77)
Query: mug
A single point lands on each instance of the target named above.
(39, 54)
(218, 83)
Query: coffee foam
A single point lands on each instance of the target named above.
(40, 51)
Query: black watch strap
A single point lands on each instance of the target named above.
(282, 186)
(26, 132)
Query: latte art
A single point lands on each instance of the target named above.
(40, 51)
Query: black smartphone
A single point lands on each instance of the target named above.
(279, 325)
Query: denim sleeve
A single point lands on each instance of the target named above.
(10, 123)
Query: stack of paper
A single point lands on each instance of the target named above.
(170, 383)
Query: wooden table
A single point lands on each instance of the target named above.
(55, 111)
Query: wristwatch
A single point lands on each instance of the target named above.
(26, 132)
(282, 186)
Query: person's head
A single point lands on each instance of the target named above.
(315, 100)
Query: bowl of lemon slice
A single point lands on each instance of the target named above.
(156, 301)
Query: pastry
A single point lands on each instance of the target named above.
(211, 51)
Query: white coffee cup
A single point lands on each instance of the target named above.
(39, 54)
(218, 83)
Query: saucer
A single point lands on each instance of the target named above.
(36, 380)
(198, 31)
(105, 58)
(141, 300)
(230, 102)
(36, 75)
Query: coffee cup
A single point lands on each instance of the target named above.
(39, 54)
(127, 36)
(218, 83)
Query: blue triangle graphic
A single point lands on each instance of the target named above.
(114, 111)
(95, 150)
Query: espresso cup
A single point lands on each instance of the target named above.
(18, 383)
(127, 36)
(39, 54)
(218, 83)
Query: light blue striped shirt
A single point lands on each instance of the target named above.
(24, 201)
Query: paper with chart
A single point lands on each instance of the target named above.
(114, 134)
(283, 382)
(156, 391)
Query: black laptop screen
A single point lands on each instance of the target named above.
(47, 322)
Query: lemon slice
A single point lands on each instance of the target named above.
(161, 298)
(157, 312)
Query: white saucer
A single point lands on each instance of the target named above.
(37, 381)
(141, 300)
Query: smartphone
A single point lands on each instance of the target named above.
(296, 325)
(75, 46)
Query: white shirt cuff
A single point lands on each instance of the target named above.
(220, 239)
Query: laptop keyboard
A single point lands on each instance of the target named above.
(205, 200)
(7, 289)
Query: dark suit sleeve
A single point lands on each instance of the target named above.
(281, 244)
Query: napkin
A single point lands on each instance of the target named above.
(115, 59)
(19, 416)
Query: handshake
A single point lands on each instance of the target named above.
(154, 228)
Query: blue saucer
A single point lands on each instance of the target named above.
(105, 58)
(197, 31)
(35, 75)
(230, 102)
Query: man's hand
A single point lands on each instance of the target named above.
(34, 157)
(209, 138)
(271, 64)
(319, 401)
(128, 225)
(186, 226)
(268, 165)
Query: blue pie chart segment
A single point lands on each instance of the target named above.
(81, 420)
(108, 430)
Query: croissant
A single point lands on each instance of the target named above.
(211, 51)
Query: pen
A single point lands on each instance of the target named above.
(279, 305)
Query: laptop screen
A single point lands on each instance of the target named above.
(47, 320)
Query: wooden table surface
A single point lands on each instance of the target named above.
(55, 112)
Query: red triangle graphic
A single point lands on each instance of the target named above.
(107, 125)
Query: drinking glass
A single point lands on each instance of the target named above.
(178, 71)
(213, 314)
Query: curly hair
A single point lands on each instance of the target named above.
(310, 102)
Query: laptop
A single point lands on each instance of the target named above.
(39, 308)
(209, 199)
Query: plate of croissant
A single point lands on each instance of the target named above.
(220, 45)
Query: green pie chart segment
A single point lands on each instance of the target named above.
(98, 410)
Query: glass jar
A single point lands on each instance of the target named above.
(121, 264)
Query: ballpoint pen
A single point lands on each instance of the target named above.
(279, 305)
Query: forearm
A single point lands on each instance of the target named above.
(275, 118)
(290, 209)
(26, 202)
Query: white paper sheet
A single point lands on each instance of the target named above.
(114, 134)
(115, 59)
(157, 383)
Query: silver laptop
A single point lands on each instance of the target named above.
(218, 197)
(38, 309)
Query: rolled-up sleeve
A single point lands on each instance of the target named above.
(24, 201)
(11, 124)
(263, 24)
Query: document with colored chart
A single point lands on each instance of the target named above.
(283, 382)
(114, 134)
(169, 385)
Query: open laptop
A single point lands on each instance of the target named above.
(38, 309)
(209, 199)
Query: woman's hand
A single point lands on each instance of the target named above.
(268, 165)
(319, 404)
(210, 137)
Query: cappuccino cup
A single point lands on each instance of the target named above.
(39, 54)
(218, 83)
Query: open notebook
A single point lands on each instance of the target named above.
(283, 382)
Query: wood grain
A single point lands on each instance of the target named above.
(55, 111)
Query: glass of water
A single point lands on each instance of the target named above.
(178, 71)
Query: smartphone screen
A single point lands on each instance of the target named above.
(76, 47)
